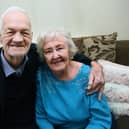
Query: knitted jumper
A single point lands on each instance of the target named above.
(19, 96)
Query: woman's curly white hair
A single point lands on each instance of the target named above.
(52, 35)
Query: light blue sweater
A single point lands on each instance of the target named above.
(65, 105)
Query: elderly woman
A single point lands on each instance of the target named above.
(62, 102)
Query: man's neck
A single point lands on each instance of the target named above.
(15, 62)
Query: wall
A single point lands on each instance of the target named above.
(80, 17)
(105, 16)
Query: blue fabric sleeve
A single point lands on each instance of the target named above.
(41, 119)
(100, 113)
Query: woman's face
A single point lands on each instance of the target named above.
(56, 53)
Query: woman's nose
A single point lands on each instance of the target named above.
(55, 54)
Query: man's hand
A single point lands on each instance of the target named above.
(96, 79)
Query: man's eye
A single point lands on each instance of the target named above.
(9, 33)
(26, 34)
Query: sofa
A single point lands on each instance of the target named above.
(118, 49)
(122, 57)
(122, 52)
(106, 47)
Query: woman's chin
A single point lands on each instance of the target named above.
(58, 70)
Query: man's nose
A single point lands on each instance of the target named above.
(18, 37)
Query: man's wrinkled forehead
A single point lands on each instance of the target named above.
(14, 16)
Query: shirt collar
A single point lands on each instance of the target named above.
(8, 69)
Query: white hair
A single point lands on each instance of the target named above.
(11, 9)
(51, 35)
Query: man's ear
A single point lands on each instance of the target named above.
(0, 38)
(31, 35)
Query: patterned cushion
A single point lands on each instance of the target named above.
(98, 47)
(116, 87)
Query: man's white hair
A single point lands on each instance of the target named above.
(11, 9)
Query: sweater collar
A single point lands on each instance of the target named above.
(8, 69)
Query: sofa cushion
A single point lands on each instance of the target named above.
(118, 98)
(115, 73)
(98, 47)
(116, 87)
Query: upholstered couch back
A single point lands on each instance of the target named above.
(122, 52)
(104, 47)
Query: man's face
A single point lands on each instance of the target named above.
(16, 35)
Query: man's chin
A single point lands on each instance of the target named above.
(15, 54)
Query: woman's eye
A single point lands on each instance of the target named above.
(47, 52)
(60, 48)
